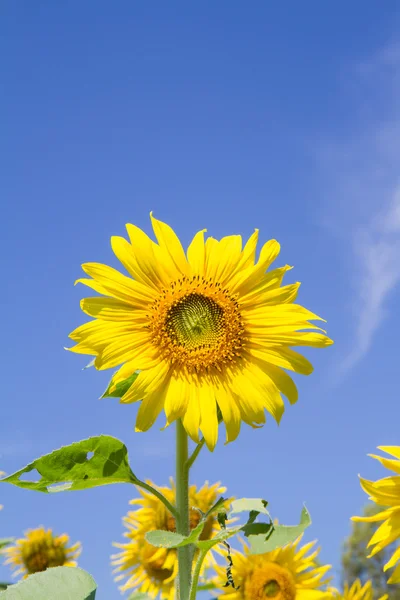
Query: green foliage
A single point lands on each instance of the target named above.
(140, 596)
(356, 565)
(63, 583)
(263, 537)
(121, 388)
(281, 535)
(100, 460)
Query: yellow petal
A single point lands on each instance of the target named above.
(111, 309)
(147, 382)
(170, 243)
(191, 418)
(149, 409)
(177, 397)
(196, 253)
(208, 415)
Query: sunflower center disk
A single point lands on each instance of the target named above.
(270, 581)
(195, 321)
(197, 325)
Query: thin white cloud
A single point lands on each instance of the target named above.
(367, 204)
(377, 249)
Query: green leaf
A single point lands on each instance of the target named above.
(249, 505)
(63, 583)
(281, 535)
(219, 504)
(5, 541)
(220, 537)
(164, 539)
(90, 463)
(140, 596)
(120, 388)
(170, 539)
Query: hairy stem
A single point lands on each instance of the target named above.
(158, 495)
(182, 505)
(196, 574)
(195, 454)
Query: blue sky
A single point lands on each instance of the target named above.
(229, 116)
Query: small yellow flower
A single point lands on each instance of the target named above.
(283, 574)
(386, 492)
(150, 569)
(207, 329)
(356, 591)
(39, 550)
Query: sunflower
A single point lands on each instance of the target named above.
(385, 492)
(39, 550)
(150, 569)
(357, 591)
(206, 329)
(283, 574)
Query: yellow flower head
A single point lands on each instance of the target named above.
(39, 550)
(206, 329)
(357, 591)
(283, 574)
(385, 492)
(150, 569)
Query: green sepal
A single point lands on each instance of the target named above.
(71, 468)
(121, 388)
(63, 583)
(280, 536)
(140, 596)
(5, 542)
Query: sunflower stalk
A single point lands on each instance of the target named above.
(196, 574)
(185, 554)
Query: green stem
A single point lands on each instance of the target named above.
(182, 505)
(196, 574)
(158, 495)
(195, 454)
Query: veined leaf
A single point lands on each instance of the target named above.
(280, 536)
(97, 461)
(63, 583)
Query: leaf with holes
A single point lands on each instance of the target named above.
(100, 460)
(63, 583)
(250, 505)
(280, 536)
(117, 391)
